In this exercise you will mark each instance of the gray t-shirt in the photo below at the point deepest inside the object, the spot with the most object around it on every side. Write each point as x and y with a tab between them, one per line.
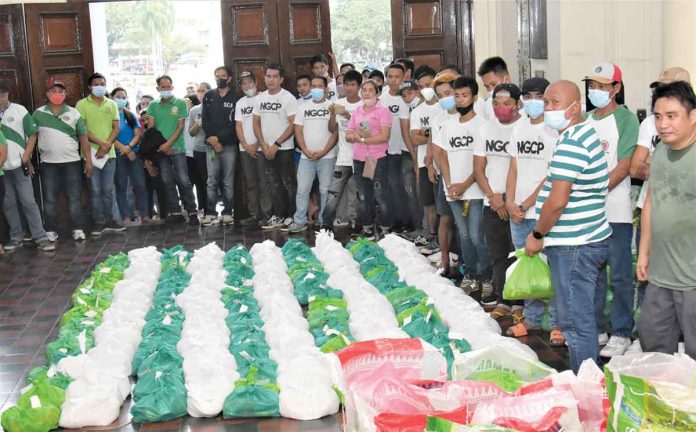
198	140
672	222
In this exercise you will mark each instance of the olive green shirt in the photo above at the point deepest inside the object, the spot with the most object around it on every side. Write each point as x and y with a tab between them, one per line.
673	218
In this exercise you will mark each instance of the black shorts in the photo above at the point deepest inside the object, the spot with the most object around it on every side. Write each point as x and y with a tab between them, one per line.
426	190
442	207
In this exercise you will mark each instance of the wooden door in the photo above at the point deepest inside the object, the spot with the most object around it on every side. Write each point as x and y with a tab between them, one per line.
258	32
434	32
60	45
14	69
305	32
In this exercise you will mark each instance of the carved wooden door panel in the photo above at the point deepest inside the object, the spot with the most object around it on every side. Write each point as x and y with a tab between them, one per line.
14	69
60	45
434	32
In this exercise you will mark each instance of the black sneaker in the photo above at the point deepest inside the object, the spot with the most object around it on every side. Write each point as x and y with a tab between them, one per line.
27	237
193	219
46	246
97	230
12	245
114	227
432	247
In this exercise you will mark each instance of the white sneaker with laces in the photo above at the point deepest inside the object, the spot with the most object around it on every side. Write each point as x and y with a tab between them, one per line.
341	222
227	220
53	236
635	348
421	241
76	235
208	220
616	346
602	339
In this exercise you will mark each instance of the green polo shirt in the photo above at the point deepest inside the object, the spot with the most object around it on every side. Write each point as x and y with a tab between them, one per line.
167	116
98	118
3	143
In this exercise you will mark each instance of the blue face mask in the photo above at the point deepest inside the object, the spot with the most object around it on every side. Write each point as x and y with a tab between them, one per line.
599	98
447	103
165	94
534	107
98	91
556	119
317	94
121	103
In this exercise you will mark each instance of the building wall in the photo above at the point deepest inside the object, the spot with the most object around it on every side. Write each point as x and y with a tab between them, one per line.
584	32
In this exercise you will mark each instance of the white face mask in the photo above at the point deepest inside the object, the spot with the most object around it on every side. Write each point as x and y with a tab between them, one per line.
250	92
428	93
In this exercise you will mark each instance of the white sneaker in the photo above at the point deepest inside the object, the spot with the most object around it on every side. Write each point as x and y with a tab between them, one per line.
602	339
208	220
227	220
435	258
53	236
76	235
616	346
635	348
341	222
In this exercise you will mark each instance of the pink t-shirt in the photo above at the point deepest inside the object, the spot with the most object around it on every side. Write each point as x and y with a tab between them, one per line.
378	117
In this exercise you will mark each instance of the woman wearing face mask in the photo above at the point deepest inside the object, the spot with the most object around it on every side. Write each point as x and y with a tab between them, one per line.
128	165
368	129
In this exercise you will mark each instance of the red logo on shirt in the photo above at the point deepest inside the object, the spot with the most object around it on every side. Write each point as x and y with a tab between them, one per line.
605	146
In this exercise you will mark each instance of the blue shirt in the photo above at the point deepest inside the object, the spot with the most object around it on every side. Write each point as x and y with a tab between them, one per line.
127	133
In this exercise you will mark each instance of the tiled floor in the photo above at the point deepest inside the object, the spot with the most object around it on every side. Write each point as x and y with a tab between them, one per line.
35	289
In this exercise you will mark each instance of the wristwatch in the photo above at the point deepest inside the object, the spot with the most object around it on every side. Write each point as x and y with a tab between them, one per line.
537	235
362	141
276	143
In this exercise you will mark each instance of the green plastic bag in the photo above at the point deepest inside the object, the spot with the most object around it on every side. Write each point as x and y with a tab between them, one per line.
46	393
506	380
21	419
528	278
165	401
252	398
59	380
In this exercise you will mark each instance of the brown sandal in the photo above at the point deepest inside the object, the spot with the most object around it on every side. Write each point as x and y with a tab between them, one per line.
500	312
517	316
556	339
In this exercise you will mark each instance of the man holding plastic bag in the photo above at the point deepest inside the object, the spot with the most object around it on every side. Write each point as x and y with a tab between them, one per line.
572	224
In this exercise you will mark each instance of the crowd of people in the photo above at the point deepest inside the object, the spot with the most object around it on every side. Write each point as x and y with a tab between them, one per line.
408	150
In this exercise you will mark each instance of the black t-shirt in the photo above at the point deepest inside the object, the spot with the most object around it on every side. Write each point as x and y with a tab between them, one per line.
218	116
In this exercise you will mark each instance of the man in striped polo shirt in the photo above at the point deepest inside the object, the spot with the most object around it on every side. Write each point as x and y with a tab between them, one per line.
62	135
20	130
572	226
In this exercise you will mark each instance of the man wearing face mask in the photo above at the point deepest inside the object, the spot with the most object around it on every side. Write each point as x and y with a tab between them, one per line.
316	133
169	114
421	121
617	129
530	151
218	123
320	67
103	125
491	164
62	136
572	225
253	162
20	131
454	152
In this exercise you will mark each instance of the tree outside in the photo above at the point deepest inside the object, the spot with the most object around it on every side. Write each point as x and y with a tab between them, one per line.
361	32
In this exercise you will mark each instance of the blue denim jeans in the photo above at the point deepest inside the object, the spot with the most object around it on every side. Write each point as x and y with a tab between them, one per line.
220	168
57	178
101	192
475	259
575	273
371	190
533	309
621	269
307	171
135	171
174	173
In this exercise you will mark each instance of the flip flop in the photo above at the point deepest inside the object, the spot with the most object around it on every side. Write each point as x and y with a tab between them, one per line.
556	339
518	330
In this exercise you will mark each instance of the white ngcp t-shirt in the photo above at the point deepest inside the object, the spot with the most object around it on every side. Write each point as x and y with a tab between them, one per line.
459	140
314	119
422	117
274	111
345	149
244	113
532	145
494	146
648	138
399	110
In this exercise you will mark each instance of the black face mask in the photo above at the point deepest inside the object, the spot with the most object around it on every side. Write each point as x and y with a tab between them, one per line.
221	83
465	110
